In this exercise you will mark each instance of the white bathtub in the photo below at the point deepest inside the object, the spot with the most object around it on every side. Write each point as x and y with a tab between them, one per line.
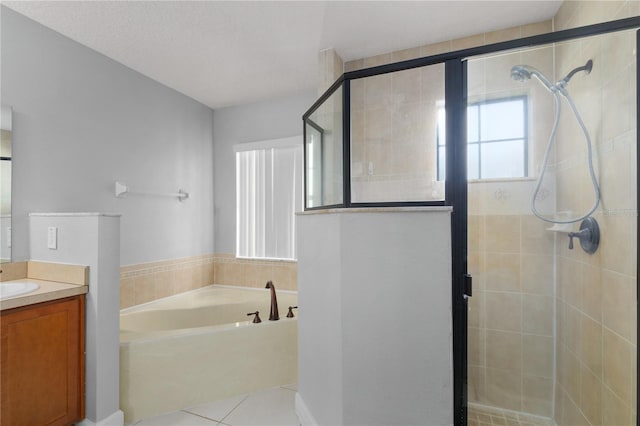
201	346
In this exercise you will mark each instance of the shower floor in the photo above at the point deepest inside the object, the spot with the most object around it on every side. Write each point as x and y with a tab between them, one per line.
480	415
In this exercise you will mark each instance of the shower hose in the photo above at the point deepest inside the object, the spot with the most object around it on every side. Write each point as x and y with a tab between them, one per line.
594	180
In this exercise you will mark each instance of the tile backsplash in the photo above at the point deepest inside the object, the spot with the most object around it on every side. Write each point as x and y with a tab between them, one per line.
13	271
58	272
146	282
230	270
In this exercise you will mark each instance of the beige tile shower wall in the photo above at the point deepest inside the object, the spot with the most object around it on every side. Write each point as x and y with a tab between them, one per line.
511	334
230	270
330	68
596	294
394	116
393	135
329	117
511	316
150	281
574	14
451	45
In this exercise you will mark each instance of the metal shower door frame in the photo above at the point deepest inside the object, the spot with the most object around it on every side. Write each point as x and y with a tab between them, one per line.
456	179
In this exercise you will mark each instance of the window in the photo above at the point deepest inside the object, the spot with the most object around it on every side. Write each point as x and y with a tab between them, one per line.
268	193
496	139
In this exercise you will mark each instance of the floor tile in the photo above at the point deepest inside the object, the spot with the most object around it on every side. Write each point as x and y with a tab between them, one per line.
494	416
265	408
177	418
217	410
293	387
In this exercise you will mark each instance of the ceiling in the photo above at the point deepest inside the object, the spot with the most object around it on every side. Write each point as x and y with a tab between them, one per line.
233	52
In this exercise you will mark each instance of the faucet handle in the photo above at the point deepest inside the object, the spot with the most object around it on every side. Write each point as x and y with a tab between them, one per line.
256	319
290	313
583	234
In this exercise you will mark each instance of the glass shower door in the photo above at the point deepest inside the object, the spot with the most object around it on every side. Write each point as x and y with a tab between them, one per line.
552	329
323	151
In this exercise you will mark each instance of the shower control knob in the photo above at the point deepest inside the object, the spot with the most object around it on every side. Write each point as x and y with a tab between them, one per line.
589	235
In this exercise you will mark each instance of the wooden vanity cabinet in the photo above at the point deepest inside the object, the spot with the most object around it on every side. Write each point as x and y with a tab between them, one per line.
42	363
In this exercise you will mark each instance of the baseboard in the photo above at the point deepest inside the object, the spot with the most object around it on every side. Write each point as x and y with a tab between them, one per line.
115	419
304	415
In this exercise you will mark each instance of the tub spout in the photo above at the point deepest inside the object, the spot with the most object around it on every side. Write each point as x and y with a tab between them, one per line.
273	314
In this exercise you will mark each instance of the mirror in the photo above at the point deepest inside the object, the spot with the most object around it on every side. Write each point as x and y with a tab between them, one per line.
5	183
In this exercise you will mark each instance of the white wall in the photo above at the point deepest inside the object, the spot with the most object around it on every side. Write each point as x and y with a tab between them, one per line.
82	121
319	333
274	119
375	323
93	240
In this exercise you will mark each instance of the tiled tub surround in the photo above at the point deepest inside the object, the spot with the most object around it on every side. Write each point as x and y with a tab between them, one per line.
201	346
230	270
147	282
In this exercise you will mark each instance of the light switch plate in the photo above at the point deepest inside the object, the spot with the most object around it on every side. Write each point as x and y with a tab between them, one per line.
52	238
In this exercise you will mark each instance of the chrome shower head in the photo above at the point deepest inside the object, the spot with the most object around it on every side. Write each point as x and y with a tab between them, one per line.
524	72
520	73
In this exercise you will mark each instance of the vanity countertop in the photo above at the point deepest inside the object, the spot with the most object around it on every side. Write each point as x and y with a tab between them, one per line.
48	290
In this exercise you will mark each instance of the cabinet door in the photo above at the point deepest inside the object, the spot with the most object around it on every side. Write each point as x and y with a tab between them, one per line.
42	363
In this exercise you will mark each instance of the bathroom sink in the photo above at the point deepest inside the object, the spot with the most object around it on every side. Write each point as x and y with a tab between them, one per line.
17	288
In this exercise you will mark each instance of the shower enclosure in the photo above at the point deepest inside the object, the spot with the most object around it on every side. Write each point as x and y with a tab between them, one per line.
547	124
552	329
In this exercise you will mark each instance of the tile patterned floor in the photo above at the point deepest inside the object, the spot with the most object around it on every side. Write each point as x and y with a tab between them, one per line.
489	416
275	406
267	407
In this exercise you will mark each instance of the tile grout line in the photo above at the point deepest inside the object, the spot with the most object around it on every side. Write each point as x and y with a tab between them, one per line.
186	410
198	415
235	407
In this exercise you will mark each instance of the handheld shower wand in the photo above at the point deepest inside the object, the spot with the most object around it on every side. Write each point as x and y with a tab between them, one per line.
524	72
